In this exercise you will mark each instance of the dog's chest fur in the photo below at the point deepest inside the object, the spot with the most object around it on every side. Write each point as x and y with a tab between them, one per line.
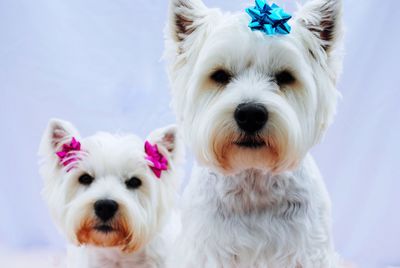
255	219
150	256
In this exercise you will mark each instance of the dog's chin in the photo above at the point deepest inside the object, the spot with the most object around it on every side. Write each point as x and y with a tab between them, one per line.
116	234
246	152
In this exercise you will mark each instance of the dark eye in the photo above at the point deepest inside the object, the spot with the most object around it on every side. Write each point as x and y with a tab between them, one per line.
133	183
86	179
284	78
221	77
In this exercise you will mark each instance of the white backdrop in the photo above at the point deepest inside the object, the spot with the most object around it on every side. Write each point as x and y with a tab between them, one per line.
97	64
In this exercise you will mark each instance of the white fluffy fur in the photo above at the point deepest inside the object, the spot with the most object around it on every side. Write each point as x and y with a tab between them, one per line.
246	207
111	160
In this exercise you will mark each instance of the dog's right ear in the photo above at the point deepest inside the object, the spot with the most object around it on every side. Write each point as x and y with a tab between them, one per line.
56	134
185	16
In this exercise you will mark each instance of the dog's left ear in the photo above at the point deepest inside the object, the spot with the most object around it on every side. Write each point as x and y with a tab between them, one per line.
185	16
323	18
57	132
168	142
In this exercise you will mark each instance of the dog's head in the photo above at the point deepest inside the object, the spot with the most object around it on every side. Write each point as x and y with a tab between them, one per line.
102	190
246	99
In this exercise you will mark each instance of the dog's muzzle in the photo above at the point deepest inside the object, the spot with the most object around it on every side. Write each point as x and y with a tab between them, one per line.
105	209
251	117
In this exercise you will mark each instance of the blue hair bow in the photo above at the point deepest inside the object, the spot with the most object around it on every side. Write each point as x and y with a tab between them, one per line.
271	20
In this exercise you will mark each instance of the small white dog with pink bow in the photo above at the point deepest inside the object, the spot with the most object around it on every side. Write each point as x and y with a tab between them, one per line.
112	195
253	94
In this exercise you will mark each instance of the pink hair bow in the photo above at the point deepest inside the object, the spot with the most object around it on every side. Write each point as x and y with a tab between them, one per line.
68	154
158	161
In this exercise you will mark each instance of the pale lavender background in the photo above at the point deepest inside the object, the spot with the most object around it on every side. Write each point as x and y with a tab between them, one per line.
97	63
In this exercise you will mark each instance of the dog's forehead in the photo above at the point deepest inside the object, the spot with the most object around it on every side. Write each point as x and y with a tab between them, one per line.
114	152
232	40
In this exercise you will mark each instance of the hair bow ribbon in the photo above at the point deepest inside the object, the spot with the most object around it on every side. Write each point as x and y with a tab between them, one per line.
158	162
271	20
67	155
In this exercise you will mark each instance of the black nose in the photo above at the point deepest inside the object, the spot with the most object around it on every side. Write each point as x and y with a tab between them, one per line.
251	117
105	209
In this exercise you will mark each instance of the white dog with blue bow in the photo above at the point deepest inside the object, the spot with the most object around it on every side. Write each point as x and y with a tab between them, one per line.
252	99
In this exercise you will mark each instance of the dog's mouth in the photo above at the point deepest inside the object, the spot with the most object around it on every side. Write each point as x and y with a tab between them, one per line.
104	228
250	141
113	233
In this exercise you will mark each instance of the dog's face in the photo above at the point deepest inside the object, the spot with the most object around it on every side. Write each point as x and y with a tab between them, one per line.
248	100
105	194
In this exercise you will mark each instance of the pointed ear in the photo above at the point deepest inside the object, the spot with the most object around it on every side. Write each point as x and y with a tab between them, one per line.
184	17
56	134
323	18
168	142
